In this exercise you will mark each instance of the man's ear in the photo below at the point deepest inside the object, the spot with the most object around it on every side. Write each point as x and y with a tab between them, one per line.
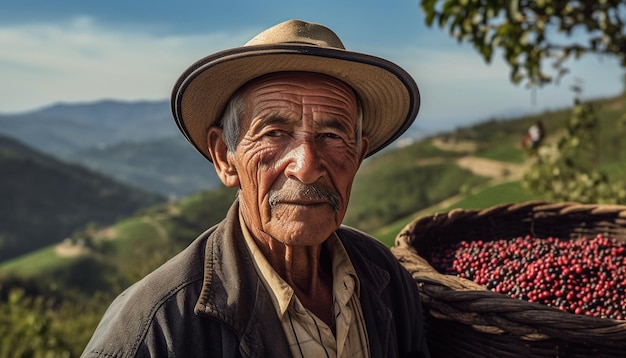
222	159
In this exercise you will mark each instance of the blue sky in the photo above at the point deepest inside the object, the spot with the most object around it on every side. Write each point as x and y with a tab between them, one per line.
83	51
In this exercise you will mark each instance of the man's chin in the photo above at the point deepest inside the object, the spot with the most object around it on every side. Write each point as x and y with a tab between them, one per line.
307	231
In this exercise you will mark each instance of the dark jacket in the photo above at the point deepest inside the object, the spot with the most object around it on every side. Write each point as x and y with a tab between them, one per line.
208	301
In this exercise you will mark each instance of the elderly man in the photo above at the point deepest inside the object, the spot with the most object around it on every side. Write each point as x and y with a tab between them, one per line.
287	119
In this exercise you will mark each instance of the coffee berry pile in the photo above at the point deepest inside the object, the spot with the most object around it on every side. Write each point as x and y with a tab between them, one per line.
581	276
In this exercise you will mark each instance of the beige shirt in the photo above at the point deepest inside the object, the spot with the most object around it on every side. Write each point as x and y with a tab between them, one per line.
307	335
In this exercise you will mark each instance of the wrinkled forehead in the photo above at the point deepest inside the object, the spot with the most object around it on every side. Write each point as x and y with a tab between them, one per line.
301	82
321	92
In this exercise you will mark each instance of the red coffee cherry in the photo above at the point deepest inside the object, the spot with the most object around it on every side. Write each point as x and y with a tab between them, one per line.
582	276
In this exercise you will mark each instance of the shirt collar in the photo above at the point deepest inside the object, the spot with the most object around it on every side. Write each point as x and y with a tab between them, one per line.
344	275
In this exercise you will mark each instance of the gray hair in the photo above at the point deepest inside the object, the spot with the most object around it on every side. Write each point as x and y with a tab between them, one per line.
235	109
230	121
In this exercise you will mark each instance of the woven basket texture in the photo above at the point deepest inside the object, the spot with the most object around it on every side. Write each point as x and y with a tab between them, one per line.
464	319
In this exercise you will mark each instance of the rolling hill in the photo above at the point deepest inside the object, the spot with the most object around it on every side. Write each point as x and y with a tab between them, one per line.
397	184
136	143
168	166
45	199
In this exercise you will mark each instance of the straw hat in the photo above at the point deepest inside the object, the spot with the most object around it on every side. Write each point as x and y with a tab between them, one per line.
388	95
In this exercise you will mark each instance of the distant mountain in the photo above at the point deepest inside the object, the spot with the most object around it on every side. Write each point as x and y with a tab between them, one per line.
64	128
168	166
134	142
44	199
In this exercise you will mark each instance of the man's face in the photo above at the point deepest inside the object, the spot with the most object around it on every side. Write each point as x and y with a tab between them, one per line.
297	156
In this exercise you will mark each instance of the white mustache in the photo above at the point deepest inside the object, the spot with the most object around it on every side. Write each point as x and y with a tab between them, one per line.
298	191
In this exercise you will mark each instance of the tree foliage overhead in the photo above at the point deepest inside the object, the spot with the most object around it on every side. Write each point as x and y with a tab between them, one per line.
532	33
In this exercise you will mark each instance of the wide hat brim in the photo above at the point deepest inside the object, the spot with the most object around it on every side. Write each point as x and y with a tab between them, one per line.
388	95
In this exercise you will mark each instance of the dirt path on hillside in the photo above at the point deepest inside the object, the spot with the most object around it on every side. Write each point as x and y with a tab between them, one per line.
492	168
69	249
498	170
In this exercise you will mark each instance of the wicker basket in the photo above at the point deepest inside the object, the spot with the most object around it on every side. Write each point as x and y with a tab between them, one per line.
465	319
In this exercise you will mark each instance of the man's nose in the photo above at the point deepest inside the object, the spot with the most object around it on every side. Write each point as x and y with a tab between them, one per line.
304	162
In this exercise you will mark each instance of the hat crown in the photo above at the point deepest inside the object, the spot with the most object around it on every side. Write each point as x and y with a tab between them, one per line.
297	31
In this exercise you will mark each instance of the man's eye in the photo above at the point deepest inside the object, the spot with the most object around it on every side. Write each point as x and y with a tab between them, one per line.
274	133
331	135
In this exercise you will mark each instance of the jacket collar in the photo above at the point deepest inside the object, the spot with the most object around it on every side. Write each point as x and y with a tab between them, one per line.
233	293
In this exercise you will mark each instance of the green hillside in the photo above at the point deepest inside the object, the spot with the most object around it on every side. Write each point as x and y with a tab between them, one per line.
136	143
437	173
473	167
44	199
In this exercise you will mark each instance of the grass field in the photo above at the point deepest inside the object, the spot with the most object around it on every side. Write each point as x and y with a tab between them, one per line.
507	153
47	259
35	262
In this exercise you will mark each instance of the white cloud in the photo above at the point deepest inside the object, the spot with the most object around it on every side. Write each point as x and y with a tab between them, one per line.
77	61
81	61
